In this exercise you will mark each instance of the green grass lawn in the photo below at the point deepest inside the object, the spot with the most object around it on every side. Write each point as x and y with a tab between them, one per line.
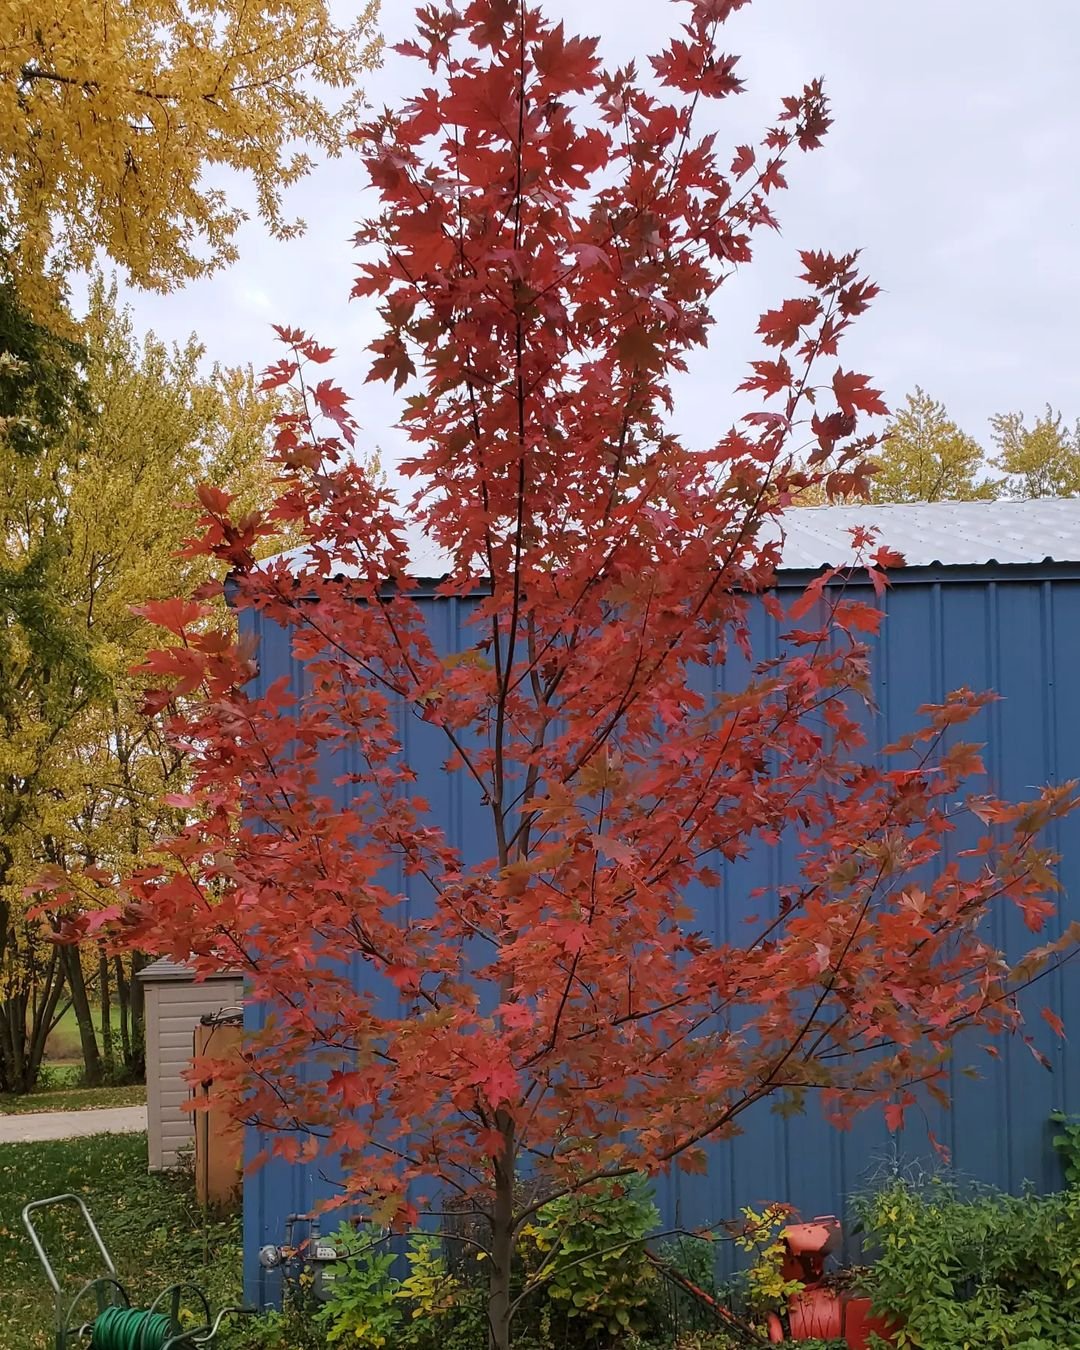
72	1099
150	1223
64	1044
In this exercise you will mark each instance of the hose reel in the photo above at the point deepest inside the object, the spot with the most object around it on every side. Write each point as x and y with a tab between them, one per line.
114	1323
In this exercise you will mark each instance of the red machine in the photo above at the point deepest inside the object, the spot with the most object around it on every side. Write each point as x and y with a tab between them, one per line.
822	1310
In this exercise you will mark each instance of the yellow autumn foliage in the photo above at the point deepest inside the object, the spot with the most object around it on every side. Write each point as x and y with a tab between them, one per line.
90	526
124	124
117	490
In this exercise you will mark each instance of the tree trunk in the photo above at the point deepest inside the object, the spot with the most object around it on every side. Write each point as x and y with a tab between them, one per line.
14	1041
6	1084
5	1054
44	1014
123	998
14	1005
105	994
17	1038
30	994
138	1017
5	1039
502	1240
84	1016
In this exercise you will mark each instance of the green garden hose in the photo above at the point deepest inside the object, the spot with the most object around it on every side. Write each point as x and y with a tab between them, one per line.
130	1329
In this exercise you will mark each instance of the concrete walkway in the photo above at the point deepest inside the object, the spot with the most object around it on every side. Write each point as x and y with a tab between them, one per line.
37	1126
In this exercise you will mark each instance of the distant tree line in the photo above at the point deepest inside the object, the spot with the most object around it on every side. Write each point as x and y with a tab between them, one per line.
927	457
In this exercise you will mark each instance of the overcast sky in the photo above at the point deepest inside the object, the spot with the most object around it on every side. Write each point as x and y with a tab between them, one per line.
954	163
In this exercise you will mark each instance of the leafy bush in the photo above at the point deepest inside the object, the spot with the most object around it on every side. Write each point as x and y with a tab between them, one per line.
370	1308
766	1287
363	1303
444	1313
722	1340
291	1329
705	1340
694	1258
587	1254
584	1280
1067	1144
985	1269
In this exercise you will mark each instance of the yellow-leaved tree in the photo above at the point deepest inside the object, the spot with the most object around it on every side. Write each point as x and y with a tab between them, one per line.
926	457
92	521
1040	460
116	116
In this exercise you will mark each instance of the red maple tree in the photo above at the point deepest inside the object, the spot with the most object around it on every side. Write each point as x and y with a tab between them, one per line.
552	241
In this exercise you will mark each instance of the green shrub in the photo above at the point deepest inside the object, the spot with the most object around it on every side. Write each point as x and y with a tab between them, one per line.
363	1305
703	1340
588	1251
981	1270
694	1258
1067	1143
442	1312
291	1329
370	1308
766	1287
582	1279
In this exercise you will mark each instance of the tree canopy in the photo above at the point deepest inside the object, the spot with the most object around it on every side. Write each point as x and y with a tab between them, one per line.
1040	460
539	997
93	520
137	133
41	385
124	126
925	457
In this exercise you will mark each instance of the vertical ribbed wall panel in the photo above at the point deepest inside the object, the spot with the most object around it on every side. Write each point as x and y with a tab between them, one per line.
1014	630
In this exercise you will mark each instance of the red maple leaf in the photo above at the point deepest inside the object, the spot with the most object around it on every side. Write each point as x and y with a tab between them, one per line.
174	615
771	377
497	1081
566	65
853	394
1053	1021
678	66
887	557
743	161
824	272
782	327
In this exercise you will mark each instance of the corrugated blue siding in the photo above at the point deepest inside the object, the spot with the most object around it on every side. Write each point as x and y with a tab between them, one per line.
1015	630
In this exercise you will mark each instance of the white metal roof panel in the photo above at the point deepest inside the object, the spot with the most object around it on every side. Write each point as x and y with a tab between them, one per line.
427	560
947	534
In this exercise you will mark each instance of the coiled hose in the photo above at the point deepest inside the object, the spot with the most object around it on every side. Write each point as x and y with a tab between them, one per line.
130	1329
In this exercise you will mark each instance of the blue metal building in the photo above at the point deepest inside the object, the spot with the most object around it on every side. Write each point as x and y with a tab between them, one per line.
990	599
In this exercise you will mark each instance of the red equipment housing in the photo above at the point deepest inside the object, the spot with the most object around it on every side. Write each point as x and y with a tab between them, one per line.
820	1310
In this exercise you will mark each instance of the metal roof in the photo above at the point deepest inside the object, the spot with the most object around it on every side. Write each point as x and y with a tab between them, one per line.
945	534
167	970
427	561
